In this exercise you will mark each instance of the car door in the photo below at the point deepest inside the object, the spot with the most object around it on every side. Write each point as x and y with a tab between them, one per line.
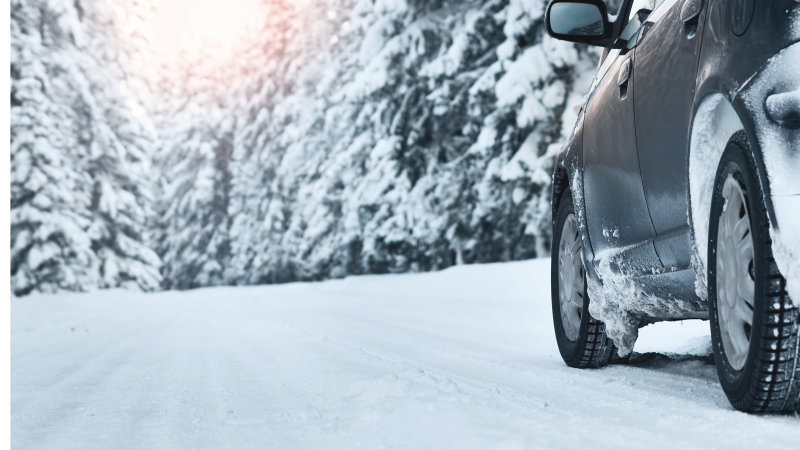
616	209
667	51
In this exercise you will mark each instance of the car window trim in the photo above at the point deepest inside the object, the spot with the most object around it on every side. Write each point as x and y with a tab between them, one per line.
660	10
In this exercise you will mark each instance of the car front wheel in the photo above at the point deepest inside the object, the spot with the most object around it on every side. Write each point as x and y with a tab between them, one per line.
754	325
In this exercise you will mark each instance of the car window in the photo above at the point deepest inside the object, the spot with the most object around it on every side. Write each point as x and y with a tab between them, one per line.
636	17
662	6
612	55
639	5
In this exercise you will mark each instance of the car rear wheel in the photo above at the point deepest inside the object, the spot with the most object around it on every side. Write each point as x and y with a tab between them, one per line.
754	326
582	339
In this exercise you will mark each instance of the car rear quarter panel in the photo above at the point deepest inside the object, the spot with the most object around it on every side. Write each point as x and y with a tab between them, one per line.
744	70
728	62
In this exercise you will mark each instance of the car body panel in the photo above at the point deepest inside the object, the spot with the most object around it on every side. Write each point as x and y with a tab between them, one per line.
569	175
733	48
728	61
616	209
666	63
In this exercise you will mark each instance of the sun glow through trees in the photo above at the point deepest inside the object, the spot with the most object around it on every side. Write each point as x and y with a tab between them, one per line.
192	24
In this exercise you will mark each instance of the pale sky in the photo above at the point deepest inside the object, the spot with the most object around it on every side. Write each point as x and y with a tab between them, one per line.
178	23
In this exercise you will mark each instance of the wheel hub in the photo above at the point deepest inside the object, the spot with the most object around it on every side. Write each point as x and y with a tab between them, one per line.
735	283
570	276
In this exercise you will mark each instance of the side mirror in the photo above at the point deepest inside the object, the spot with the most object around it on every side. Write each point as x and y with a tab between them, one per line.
584	21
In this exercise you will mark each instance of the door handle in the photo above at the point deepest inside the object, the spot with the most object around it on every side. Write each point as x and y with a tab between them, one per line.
624	77
690	16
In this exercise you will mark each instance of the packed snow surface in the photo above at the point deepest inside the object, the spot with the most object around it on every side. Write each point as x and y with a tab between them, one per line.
463	358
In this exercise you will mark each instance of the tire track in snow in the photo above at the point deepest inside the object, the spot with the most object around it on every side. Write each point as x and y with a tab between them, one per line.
396	365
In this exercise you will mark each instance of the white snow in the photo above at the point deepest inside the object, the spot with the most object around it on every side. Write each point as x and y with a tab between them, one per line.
715	122
781	144
80	145
621	302
375	37
463	358
782	106
688	337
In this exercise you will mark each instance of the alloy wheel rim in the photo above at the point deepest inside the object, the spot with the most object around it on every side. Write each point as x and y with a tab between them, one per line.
735	275
570	278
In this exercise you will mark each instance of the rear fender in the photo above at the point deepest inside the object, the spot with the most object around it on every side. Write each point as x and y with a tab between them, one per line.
726	106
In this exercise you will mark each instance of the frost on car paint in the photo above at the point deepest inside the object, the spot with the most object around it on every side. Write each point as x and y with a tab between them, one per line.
775	91
618	298
714	124
622	302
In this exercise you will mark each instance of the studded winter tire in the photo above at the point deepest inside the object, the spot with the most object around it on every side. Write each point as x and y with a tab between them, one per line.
582	339
754	325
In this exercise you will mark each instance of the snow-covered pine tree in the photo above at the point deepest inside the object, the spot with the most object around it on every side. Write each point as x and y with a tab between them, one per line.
197	117
368	138
192	224
424	136
80	148
342	138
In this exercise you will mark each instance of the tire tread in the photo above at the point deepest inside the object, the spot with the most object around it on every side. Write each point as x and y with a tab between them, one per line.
775	386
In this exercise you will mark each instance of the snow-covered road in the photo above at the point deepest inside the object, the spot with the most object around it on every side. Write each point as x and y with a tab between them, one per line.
464	358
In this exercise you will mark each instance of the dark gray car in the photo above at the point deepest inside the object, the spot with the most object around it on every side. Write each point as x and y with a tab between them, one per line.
677	195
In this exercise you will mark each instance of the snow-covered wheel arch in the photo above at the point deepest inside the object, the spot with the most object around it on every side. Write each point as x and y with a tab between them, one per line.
714	124
771	93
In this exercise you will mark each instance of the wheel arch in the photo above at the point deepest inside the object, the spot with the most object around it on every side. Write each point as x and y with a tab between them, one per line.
560	186
568	162
568	175
717	118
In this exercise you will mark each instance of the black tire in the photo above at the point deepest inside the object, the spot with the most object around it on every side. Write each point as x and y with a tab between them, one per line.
592	348
769	380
